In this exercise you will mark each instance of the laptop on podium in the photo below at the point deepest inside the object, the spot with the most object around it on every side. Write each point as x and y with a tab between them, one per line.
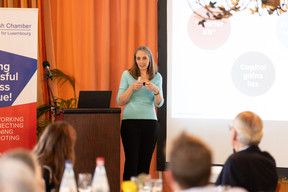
94	99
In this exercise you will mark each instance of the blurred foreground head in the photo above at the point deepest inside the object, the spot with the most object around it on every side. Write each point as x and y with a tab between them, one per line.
190	161
16	176
30	159
55	146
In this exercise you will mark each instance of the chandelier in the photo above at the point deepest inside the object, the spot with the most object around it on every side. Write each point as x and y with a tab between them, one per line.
223	9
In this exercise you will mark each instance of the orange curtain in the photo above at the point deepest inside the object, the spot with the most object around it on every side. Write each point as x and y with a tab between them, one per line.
94	41
19	3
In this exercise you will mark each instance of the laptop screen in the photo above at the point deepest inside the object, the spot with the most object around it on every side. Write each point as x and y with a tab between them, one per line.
94	99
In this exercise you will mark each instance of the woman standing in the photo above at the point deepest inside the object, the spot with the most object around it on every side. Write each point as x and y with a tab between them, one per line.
140	89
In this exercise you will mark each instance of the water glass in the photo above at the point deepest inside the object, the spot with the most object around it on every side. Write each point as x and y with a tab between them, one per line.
84	182
156	185
143	182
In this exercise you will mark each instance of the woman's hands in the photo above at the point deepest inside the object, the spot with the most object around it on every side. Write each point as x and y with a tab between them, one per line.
151	87
148	85
124	98
137	85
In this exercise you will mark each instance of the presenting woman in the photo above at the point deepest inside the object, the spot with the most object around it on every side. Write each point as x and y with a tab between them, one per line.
140	89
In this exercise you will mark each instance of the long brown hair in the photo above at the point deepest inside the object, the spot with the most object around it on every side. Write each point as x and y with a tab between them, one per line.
56	145
152	68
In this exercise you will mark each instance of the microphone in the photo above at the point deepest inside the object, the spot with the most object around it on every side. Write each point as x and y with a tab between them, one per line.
46	66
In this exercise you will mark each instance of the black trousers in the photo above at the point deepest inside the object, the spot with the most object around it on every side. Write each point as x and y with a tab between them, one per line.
139	139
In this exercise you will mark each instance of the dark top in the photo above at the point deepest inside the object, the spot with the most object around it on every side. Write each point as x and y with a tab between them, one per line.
251	169
47	176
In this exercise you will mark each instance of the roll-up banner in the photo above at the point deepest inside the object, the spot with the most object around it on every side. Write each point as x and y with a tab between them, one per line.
18	77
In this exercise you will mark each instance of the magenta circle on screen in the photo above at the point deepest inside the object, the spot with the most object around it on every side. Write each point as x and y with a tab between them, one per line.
214	35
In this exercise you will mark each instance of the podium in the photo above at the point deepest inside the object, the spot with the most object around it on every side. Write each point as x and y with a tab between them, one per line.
98	134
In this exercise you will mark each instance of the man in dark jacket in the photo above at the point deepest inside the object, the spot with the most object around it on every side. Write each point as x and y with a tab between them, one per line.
248	167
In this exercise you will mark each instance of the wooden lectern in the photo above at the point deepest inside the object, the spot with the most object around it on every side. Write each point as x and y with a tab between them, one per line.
98	134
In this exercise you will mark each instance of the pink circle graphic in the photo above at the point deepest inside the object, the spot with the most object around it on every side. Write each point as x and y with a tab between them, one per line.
212	36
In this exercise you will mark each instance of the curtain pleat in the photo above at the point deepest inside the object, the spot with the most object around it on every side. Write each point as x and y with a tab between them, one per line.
115	54
24	4
15	3
19	3
10	3
43	96
5	3
34	4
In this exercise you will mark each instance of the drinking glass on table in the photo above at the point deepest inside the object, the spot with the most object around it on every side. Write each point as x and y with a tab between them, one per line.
84	182
156	185
146	184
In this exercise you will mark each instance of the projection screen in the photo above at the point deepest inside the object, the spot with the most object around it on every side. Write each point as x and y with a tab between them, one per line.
214	72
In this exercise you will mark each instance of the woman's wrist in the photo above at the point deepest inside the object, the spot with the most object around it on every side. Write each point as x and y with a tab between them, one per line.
156	92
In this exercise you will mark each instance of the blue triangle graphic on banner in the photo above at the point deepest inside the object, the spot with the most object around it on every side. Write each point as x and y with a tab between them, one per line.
15	73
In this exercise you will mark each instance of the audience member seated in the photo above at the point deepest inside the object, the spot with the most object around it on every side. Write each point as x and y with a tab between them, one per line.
190	166
248	167
29	159
55	145
16	176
